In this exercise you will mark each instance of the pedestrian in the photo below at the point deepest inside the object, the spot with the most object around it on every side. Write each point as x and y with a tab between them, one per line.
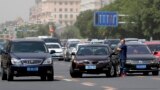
122	48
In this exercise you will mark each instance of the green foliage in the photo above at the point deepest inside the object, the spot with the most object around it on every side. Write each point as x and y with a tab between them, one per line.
71	32
41	29
142	20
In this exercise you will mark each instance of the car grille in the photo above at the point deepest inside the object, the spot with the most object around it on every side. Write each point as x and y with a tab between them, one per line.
141	62
90	62
32	61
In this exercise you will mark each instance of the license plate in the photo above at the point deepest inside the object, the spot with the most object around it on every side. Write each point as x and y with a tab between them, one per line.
32	69
140	66
90	67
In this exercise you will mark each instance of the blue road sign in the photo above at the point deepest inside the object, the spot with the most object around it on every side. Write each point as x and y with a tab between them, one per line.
103	18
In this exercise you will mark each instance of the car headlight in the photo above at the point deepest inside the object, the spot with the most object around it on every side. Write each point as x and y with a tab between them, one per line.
48	61
15	61
129	61
155	61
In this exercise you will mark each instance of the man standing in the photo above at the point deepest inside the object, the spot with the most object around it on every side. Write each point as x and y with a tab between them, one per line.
122	48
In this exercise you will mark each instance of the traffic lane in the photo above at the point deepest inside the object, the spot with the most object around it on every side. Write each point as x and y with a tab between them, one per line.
94	82
130	82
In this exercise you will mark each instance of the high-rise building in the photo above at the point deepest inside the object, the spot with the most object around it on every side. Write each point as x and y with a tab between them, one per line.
63	12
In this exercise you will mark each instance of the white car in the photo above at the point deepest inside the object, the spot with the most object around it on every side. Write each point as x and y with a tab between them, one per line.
58	50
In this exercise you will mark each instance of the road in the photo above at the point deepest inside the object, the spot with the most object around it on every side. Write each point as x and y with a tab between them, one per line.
63	81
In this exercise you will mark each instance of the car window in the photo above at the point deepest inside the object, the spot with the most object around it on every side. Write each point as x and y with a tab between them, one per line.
28	47
154	47
92	50
137	49
53	46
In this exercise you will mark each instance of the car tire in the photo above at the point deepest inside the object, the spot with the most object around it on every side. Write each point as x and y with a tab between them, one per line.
50	77
43	78
111	72
9	75
145	73
74	74
4	75
155	73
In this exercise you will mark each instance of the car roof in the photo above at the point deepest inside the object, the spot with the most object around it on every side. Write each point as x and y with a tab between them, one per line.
52	43
23	39
95	45
152	42
134	43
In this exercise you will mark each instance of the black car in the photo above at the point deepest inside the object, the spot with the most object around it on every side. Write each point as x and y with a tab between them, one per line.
140	59
23	57
94	59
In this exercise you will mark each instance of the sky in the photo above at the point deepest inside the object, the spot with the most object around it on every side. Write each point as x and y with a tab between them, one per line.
11	9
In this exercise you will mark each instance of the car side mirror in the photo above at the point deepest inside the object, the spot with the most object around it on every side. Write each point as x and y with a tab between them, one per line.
52	52
155	53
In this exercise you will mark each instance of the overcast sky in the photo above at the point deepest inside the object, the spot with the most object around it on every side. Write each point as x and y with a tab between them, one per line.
11	9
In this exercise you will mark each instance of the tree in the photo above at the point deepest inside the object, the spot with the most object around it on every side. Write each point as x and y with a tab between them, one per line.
82	22
71	32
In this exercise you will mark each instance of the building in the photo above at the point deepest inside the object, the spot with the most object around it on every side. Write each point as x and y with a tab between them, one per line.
93	4
63	12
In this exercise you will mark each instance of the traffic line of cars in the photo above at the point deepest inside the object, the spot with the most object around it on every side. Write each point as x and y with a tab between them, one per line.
34	57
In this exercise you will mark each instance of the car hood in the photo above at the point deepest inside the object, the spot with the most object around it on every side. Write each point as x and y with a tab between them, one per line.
94	58
30	55
141	57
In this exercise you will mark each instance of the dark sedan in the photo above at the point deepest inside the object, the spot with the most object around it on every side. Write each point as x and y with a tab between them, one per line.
94	59
26	58
140	59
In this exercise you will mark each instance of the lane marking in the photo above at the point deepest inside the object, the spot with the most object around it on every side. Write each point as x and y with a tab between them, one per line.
88	84
108	88
68	80
59	77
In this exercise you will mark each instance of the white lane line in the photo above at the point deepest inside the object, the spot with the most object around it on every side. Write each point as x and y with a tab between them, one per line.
108	88
59	77
68	80
88	84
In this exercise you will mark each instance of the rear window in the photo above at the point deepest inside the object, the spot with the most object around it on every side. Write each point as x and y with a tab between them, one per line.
53	46
154	47
138	49
28	47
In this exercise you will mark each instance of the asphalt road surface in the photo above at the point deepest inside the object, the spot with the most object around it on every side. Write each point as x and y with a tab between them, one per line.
63	81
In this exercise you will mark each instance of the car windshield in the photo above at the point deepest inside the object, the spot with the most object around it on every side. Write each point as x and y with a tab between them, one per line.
53	46
73	45
137	49
92	50
18	47
155	47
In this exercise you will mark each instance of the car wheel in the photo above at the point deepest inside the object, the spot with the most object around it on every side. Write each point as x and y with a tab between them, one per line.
50	77
9	75
155	73
74	74
4	75
111	72
43	78
145	73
